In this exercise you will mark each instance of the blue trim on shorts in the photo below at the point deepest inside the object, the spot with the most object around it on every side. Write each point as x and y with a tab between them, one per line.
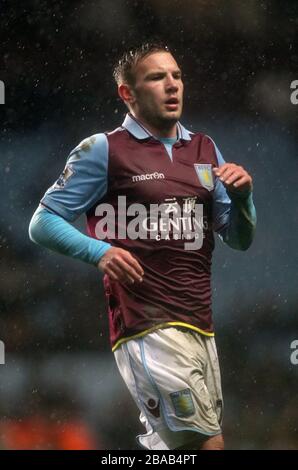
163	407
143	409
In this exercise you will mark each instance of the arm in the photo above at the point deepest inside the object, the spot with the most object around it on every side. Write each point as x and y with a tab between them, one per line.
234	212
82	183
53	232
241	225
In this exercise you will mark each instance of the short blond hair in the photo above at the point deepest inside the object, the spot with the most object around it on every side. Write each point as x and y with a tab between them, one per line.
124	69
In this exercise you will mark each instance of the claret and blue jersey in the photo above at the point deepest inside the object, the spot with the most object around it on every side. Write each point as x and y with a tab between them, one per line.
131	162
88	165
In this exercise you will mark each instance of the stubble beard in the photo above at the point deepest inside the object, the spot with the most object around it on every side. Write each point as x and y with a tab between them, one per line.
160	120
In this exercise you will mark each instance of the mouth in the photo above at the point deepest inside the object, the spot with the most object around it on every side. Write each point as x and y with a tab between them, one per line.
172	103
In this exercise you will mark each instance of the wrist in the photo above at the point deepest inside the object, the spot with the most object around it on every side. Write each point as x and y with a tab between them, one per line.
97	250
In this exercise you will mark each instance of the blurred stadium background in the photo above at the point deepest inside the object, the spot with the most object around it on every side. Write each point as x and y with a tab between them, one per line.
59	388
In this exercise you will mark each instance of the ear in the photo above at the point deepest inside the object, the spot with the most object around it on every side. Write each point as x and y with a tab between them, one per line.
126	94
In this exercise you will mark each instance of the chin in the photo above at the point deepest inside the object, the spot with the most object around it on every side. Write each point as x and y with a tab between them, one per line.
171	117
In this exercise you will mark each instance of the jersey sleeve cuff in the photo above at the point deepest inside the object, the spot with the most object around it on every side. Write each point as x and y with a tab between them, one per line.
49	204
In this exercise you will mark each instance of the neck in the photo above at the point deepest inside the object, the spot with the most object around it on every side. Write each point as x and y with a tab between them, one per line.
169	130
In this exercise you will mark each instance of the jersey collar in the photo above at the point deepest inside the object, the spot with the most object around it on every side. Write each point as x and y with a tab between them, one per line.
134	127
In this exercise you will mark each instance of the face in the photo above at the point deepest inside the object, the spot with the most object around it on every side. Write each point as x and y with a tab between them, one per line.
157	95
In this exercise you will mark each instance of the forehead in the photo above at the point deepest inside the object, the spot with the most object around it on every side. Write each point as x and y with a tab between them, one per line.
162	61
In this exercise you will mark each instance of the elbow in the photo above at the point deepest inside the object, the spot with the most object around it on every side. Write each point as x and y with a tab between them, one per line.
35	226
239	245
243	246
245	241
32	230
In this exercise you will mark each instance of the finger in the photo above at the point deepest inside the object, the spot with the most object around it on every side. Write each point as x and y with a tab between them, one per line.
118	274
109	272
244	181
102	264
234	177
220	170
127	269
227	174
131	261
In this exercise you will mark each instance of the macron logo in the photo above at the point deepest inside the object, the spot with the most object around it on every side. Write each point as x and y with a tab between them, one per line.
148	176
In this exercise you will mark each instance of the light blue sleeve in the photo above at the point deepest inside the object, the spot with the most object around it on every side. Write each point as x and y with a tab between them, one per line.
221	200
53	232
234	214
83	181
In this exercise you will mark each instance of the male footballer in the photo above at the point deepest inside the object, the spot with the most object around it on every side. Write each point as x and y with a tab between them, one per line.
154	193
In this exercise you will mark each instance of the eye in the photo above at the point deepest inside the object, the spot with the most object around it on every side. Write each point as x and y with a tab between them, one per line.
177	76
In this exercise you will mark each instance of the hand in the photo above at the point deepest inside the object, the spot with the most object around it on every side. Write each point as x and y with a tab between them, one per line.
121	266
234	178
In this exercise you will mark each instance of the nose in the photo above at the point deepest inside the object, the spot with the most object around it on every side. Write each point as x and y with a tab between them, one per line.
171	83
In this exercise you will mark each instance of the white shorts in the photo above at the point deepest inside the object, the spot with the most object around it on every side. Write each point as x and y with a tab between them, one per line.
173	375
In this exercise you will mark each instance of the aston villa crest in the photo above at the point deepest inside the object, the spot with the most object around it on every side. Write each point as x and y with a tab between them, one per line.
204	173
